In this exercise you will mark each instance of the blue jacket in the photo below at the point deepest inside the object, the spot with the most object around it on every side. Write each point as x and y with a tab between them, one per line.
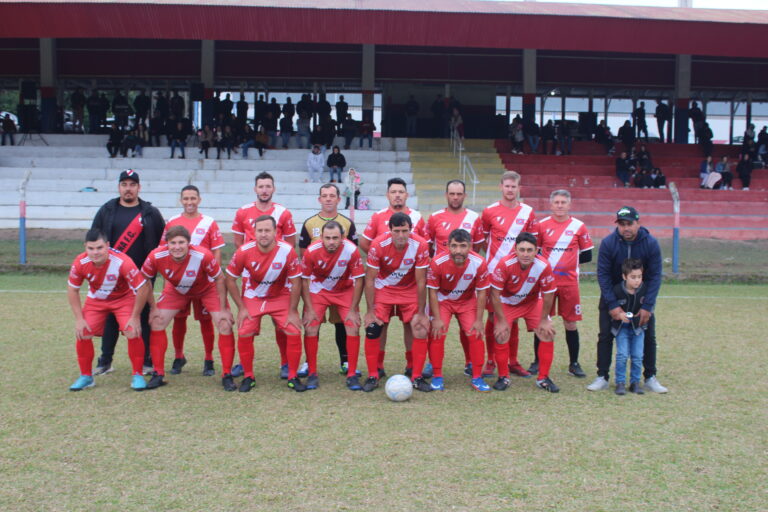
613	251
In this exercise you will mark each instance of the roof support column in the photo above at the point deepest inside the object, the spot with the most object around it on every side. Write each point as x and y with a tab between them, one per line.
682	96
207	77
368	82
529	84
48	85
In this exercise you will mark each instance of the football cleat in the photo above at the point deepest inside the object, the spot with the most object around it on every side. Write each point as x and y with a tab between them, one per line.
534	368
247	384
489	368
547	385
296	385
370	384
208	370
303	370
382	373
575	370
156	381
353	383
284	371
228	382
479	384
313	382
422	385
468	370
82	382
178	364
428	371
502	384
437	384
138	383
516	369
237	370
103	369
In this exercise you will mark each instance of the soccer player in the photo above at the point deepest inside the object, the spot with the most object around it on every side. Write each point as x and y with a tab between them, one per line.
113	280
271	286
516	286
332	274
441	224
396	276
502	221
243	229
457	282
329	199
190	273
204	233
564	241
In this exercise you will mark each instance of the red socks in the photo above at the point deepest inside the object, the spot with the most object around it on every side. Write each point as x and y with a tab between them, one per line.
437	354
477	351
310	347
514	342
84	350
546	355
177	334
408	359
464	345
246	351
136	354
353	351
490	339
158	345
293	352
227	351
418	355
281	340
380	357
502	359
206	330
373	356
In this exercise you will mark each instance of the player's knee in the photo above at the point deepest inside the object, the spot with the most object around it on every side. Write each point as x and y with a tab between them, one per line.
373	331
569	326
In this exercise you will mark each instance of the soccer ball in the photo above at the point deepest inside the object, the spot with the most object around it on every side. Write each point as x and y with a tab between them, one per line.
398	388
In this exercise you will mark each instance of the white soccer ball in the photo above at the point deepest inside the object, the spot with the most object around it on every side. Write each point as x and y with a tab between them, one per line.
398	388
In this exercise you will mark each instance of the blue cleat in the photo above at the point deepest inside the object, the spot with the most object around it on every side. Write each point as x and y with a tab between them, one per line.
468	370
82	382
428	371
303	370
237	370
437	384
284	371
479	384
138	383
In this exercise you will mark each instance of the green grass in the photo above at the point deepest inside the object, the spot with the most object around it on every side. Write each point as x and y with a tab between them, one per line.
191	446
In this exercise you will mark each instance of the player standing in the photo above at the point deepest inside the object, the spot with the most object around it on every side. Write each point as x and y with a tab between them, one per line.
516	286
204	233
565	242
396	276
458	283
271	286
332	274
113	280
502	221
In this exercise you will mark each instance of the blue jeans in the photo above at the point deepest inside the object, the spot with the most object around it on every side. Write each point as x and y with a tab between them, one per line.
533	141
247	144
629	344
286	136
368	137
177	144
337	172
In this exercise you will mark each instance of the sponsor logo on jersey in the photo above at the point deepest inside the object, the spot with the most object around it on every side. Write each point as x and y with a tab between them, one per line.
191	273
111	277
568	232
200	231
520	221
531	279
468	276
407	261
342	263
466	225
277	265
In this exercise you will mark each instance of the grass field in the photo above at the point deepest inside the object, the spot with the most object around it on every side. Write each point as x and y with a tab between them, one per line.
191	446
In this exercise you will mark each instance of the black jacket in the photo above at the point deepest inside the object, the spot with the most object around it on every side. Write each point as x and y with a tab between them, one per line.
150	216
630	303
336	160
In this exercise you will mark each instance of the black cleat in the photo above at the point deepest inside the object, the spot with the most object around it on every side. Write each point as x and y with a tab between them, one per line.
382	373
422	385
534	368
502	384
178	364
408	372
575	370
370	384
353	383
636	388
547	385
228	382
313	382
208	370
156	381
247	384
296	384
468	370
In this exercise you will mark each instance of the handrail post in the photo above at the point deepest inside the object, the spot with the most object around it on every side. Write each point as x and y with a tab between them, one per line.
676	229
23	218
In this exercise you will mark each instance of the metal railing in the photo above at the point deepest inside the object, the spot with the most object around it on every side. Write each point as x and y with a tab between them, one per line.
466	169
676	229
23	218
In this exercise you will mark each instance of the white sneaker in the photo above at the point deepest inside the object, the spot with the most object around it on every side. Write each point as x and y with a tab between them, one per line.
745	188
599	384
653	384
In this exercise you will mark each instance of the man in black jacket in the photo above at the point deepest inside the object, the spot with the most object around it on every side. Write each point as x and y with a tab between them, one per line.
629	240
134	227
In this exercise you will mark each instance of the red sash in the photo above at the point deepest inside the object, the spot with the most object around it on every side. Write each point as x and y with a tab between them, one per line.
130	234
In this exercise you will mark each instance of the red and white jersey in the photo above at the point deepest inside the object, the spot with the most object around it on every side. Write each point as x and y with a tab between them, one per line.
379	223
117	277
193	275
265	275
247	215
203	230
397	268
458	283
520	286
561	243
501	225
334	271
442	222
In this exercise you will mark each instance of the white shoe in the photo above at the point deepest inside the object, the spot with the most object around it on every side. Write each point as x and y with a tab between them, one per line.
599	384
303	370
653	384
745	188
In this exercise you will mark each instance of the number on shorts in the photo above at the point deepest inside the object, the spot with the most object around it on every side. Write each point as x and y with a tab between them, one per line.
577	309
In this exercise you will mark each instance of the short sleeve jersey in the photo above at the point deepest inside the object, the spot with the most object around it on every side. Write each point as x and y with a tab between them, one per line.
265	275
501	225
379	223
520	286
396	269
113	280
561	243
191	276
442	222
247	215
332	272
457	283
313	227
203	230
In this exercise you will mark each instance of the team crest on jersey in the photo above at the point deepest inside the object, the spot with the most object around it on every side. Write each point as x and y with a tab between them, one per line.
468	276
446	225
568	233
448	277
550	232
342	263
500	220
200	231
520	221
407	261
277	265
111	277
466	225
514	279
531	279
191	273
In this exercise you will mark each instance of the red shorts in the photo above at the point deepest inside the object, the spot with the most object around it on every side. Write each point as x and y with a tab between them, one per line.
171	299
325	299
95	312
200	311
276	307
465	312
403	303
568	303
531	312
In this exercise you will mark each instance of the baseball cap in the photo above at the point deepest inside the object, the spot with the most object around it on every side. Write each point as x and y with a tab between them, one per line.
627	213
129	174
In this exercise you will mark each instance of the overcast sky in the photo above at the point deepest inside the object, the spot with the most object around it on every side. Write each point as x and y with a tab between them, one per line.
707	4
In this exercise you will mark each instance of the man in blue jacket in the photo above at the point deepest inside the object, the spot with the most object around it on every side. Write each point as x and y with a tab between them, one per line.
629	240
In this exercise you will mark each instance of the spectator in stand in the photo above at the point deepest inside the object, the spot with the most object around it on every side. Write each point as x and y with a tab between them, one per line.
623	168
141	106
207	139
261	141
532	132
121	109
133	143
315	164
318	137
241	107
143	134
178	137
411	116
658	180
367	127
329	132
289	110
275	110
103	109
115	140
156	129
286	127
457	124
627	136
663	115
9	128
342	107
303	132
697	117
226	105
705	139
707	167
93	104
438	112
177	105
641	179
639	118
744	170
248	140
77	101
564	138
349	130
547	136
305	108
270	125
516	135
643	157
227	141
724	169
604	136
259	111
336	164
749	135
163	106
323	108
